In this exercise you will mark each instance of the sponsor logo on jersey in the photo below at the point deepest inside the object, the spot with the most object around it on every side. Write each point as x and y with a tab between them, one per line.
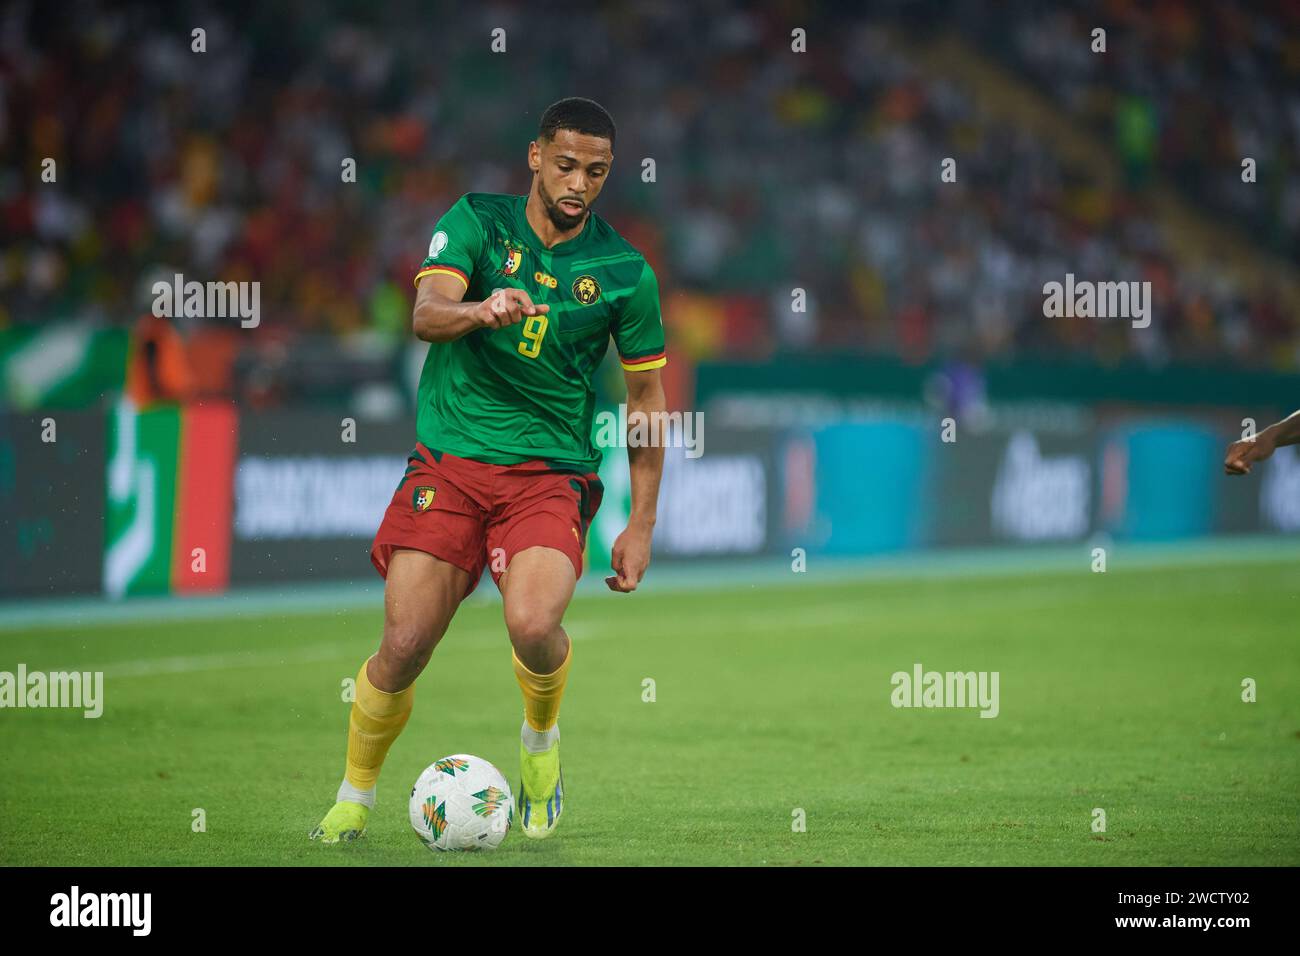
586	289
437	244
422	499
541	278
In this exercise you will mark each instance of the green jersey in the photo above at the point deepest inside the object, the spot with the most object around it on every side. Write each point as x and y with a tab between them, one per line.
525	392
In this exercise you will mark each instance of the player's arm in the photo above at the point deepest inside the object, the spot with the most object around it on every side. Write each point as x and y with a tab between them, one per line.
630	555
1243	454
455	253
639	336
440	314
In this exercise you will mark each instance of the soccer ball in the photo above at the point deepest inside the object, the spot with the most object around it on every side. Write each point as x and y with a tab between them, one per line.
461	802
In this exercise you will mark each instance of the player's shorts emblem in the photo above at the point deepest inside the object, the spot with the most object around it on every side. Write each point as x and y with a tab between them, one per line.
423	497
586	289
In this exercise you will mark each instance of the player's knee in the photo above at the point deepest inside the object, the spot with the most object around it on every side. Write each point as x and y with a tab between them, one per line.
530	625
406	646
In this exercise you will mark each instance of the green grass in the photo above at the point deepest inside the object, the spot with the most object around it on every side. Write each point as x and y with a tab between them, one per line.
1119	690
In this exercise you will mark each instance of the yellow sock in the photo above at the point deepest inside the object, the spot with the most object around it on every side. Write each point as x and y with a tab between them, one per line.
377	718
542	692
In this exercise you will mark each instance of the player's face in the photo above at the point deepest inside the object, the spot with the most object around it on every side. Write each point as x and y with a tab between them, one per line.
571	171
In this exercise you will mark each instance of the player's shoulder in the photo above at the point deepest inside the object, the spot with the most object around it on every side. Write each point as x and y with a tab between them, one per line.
486	205
617	252
607	235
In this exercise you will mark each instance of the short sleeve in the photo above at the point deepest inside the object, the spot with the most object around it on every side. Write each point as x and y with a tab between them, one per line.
639	334
456	244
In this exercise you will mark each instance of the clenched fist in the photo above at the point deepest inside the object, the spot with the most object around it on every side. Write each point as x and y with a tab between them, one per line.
1243	454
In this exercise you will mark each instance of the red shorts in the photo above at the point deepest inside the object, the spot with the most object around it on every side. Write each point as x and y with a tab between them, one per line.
472	514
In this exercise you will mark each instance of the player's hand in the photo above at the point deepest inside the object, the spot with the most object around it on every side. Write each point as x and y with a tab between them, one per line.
629	558
507	307
1243	454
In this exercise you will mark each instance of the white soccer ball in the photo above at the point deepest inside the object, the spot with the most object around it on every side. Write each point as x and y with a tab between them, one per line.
461	802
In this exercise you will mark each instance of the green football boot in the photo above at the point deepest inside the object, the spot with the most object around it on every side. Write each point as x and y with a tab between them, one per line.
345	821
541	791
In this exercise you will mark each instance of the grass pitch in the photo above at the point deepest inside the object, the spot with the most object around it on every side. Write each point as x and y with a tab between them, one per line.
1120	691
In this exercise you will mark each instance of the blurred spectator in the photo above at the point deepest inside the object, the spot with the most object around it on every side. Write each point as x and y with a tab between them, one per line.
157	368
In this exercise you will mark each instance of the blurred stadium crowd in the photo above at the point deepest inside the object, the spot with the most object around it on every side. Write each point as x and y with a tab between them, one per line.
772	170
1187	93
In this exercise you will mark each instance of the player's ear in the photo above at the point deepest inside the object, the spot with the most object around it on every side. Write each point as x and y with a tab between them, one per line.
534	156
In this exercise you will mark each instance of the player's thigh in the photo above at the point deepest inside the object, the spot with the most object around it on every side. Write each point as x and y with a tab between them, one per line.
421	594
536	589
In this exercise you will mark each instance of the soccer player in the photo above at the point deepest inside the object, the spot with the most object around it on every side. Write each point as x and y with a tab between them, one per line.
1243	454
518	296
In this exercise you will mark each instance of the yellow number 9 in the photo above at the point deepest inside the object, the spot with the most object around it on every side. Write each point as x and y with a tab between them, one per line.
534	329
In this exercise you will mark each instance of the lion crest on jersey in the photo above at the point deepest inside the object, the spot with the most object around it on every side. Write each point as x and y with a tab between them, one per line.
586	289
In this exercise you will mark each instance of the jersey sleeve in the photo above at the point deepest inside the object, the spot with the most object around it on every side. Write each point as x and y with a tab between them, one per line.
639	334
456	244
